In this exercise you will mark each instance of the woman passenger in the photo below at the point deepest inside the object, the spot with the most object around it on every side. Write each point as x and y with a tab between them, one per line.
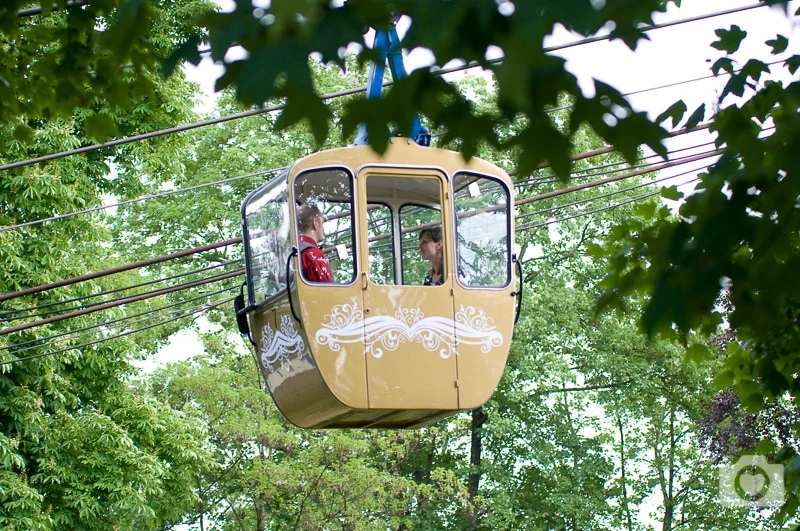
431	248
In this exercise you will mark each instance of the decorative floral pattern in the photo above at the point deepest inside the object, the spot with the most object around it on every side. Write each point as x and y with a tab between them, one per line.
278	345
346	324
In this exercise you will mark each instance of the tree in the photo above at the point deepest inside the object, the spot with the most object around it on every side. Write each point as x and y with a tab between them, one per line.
105	54
684	263
81	447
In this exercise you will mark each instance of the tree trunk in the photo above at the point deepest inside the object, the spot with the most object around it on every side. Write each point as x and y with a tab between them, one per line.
261	517
474	480
625	506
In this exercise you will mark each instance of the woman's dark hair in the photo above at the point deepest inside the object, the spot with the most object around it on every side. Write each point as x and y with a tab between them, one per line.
434	232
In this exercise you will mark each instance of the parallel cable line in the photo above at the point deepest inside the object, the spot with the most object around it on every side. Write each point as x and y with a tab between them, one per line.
18	348
610	149
138	199
122	301
119	269
608	194
607	168
601	209
628	175
91	343
30	343
11	314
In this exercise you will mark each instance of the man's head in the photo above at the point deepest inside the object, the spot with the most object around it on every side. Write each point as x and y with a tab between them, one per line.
311	222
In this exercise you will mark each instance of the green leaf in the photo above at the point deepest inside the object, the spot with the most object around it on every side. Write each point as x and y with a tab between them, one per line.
186	51
778	44
698	353
793	63
23	134
729	40
675	112
671	192
100	127
301	106
696	117
724	380
735	85
723	63
646	210
754	68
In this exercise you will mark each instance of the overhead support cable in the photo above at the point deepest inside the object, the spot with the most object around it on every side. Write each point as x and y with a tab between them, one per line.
15	349
140	199
642	171
605	37
123	334
554	208
122	301
113	270
16	314
597	210
610	149
606	169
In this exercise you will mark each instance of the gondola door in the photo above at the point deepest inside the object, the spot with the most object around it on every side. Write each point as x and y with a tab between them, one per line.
409	346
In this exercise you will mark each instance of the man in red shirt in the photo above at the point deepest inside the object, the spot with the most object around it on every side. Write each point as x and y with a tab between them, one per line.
311	226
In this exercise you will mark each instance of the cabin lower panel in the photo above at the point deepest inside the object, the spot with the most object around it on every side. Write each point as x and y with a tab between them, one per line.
387	419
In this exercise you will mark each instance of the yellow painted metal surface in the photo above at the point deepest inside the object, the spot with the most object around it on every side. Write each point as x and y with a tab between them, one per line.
410	360
332	322
378	355
481	361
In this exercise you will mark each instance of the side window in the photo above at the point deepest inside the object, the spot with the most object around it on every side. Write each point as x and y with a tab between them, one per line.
267	239
325	225
422	222
482	230
380	235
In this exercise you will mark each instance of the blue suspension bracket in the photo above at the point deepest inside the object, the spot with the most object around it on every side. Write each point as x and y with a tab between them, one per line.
387	45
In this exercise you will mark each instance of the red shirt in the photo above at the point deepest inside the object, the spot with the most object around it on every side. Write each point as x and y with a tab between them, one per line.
313	262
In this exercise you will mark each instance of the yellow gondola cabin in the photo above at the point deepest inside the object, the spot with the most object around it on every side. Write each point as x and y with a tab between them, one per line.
375	347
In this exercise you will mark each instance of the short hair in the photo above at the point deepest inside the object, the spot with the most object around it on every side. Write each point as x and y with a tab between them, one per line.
434	232
306	214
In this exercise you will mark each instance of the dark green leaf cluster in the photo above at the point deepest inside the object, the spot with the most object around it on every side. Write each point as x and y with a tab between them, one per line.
96	57
279	39
738	233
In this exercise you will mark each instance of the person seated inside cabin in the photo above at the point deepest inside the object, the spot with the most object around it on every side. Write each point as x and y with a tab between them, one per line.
431	248
311	226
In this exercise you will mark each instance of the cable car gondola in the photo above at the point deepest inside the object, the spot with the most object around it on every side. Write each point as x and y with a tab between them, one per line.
373	346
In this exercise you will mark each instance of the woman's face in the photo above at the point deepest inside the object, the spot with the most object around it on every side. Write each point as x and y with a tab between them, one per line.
429	249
